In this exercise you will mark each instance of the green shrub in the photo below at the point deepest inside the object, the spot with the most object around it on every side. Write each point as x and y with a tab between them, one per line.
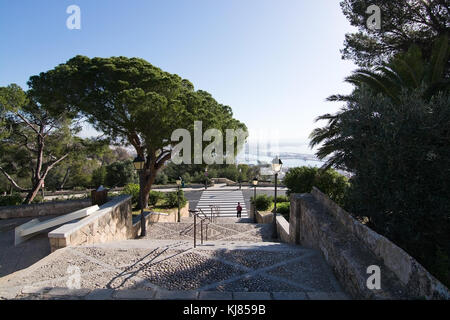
99	176
12	200
161	178
283	208
171	199
132	189
154	197
262	202
186	177
280	198
330	182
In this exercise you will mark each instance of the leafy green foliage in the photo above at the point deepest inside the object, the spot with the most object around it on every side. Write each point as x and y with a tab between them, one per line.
99	177
284	208
262	202
154	197
161	178
120	173
132	189
403	23
330	182
11	200
281	198
171	199
40	136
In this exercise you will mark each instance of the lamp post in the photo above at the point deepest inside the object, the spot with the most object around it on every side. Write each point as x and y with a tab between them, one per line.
255	183
178	196
139	163
240	180
206	178
276	167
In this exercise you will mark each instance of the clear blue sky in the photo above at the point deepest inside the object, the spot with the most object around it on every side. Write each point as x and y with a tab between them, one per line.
273	61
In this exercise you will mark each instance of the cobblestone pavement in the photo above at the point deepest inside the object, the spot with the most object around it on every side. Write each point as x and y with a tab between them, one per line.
225	231
14	258
168	269
236	261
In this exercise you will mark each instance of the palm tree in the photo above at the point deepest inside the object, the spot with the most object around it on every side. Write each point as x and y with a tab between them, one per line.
408	71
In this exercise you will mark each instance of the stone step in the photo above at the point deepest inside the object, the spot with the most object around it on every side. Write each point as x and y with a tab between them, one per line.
226	229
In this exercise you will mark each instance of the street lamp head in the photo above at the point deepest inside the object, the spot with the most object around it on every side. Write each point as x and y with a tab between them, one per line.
255	181
139	163
276	165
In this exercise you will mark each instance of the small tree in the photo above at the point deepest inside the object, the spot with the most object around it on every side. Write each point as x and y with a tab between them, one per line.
39	137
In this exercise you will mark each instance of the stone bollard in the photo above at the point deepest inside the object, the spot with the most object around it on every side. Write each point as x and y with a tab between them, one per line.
99	196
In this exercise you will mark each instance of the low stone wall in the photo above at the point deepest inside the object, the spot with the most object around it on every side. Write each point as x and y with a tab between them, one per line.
282	229
350	248
43	209
263	217
156	217
113	221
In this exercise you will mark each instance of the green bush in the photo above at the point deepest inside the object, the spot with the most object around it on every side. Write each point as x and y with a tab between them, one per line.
99	176
132	189
12	200
330	182
120	173
262	202
280	198
161	178
154	197
283	208
171	199
38	199
186	177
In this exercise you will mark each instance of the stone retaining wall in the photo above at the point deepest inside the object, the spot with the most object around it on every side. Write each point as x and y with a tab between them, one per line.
282	228
43	209
350	248
263	217
113	221
154	218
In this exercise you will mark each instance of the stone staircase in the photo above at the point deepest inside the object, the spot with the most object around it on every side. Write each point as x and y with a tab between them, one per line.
225	200
223	229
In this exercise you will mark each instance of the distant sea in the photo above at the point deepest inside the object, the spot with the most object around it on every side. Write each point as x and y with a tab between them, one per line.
292	154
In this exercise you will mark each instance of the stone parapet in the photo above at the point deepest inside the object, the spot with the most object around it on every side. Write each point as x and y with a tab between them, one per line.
36	210
113	221
350	248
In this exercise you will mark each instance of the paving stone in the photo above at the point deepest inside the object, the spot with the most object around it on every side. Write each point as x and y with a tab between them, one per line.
251	296
8	293
100	294
215	295
137	294
176	295
34	290
66	292
327	296
289	295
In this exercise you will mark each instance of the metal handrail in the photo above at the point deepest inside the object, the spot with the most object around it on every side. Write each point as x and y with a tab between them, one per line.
196	214
215	211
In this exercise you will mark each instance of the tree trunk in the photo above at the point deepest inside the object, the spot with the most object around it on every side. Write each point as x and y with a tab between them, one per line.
65	179
145	185
34	191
